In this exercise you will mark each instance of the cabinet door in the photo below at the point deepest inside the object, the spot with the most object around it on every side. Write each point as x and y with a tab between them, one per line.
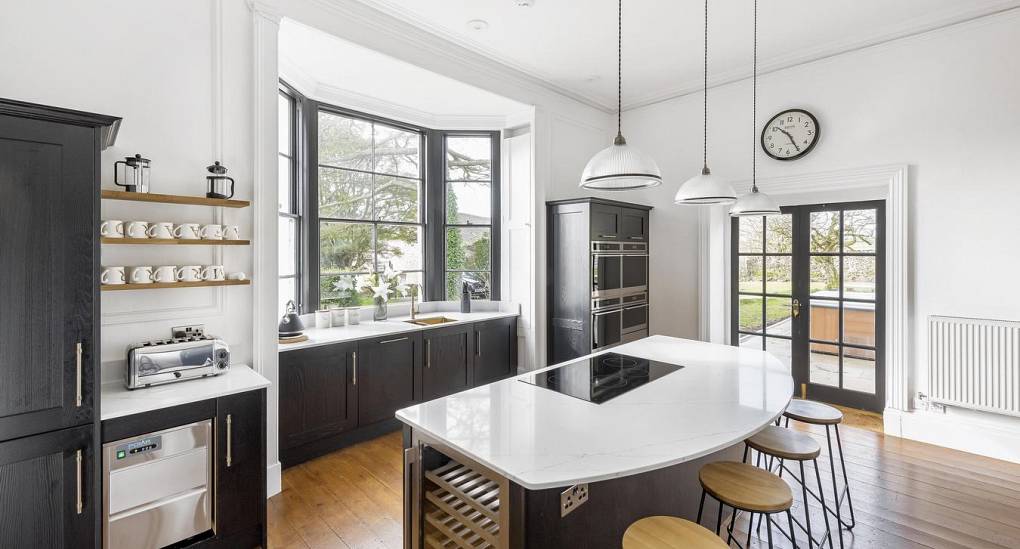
634	224
48	213
46	490
447	367
317	399
384	373
241	463
605	222
495	350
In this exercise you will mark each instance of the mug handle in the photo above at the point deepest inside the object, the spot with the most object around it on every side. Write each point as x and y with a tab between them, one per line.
178	274
149	231
102	277
102	227
202	272
177	231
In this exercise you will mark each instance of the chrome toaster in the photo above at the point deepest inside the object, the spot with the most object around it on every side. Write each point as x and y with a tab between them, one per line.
178	359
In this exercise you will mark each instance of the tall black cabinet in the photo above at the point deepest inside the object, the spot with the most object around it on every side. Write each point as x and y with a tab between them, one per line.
49	329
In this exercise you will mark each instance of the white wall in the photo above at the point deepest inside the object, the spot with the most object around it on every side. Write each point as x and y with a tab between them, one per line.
948	104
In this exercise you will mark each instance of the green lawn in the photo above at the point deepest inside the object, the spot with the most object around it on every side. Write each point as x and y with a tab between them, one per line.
776	308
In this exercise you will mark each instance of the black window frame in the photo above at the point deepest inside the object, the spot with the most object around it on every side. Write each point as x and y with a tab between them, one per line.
297	210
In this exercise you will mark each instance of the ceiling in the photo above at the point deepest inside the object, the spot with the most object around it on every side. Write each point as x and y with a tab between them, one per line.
571	44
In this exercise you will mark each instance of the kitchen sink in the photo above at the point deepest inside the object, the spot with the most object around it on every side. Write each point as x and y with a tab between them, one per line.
431	321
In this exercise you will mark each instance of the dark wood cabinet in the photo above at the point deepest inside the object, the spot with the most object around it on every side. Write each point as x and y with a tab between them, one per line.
634	224
384	374
448	361
606	221
241	466
495	350
317	398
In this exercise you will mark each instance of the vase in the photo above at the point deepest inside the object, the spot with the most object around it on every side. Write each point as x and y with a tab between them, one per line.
381	310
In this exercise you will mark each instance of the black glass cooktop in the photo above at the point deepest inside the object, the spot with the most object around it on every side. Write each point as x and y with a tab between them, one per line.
602	377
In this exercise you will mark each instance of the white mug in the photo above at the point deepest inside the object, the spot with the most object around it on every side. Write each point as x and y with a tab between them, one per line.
213	272
163	230
112	275
112	228
186	231
141	274
211	232
188	273
164	274
322	318
231	232
136	229
237	276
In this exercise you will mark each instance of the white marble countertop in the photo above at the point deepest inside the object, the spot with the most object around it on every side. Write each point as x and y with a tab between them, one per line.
118	401
543	439
394	325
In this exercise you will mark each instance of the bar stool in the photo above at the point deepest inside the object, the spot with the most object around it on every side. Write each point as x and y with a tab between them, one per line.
746	488
662	532
785	444
816	413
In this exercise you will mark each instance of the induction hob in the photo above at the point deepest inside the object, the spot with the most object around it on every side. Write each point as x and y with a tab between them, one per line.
601	377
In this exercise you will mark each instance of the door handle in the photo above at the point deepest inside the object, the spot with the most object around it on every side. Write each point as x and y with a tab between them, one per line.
795	308
428	353
77	374
354	368
78	503
230	453
392	340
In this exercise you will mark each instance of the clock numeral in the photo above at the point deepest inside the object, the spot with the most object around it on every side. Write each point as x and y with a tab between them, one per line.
807	124
811	132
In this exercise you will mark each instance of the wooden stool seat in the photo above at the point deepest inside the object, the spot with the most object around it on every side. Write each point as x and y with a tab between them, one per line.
815	413
669	533
785	443
746	487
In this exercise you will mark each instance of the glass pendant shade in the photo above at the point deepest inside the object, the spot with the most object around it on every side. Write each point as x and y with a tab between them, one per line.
755	203
705	189
620	167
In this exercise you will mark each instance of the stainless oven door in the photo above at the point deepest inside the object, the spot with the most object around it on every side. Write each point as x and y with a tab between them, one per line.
606	272
635	318
634	277
606	328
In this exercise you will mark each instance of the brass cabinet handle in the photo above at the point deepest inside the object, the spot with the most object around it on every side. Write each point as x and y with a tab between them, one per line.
230	453
79	505
354	368
428	353
77	374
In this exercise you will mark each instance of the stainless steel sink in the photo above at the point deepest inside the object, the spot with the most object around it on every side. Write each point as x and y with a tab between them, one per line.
431	320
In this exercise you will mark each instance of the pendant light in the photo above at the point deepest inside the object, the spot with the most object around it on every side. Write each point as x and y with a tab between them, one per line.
620	167
705	188
756	202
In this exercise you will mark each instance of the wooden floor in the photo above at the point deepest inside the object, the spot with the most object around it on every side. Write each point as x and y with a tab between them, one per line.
906	495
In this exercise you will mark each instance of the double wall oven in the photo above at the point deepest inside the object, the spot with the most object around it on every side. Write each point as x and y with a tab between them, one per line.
619	292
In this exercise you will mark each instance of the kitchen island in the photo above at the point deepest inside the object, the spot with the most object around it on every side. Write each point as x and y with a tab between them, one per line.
492	465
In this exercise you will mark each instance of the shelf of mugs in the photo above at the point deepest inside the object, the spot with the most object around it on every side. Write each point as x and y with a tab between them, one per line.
163	285
114	240
174	199
113	231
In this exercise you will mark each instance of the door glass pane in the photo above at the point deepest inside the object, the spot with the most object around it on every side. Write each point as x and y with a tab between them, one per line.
468	158
467	248
859	323
778	316
779	234
824	232
345	247
288	291
749	313
825	276
751	234
859	370
345	142
287	246
824	320
397	199
860	230
859	277
397	151
824	364
478	285
469	203
749	273
399	246
285	185
781	349
342	291
750	341
345	194
779	275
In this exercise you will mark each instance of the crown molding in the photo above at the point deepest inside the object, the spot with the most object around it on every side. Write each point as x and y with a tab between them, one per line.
372	105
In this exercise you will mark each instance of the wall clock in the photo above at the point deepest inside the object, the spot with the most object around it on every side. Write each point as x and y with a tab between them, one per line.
790	134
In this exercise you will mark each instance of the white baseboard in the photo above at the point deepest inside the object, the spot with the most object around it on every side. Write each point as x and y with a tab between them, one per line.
274	479
996	437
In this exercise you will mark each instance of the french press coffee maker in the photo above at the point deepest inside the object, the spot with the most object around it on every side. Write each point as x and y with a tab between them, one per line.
217	183
136	174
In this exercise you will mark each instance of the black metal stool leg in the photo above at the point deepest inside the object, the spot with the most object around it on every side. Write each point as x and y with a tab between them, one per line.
793	538
701	506
718	520
825	511
768	528
807	510
733	522
846	481
750	522
835	490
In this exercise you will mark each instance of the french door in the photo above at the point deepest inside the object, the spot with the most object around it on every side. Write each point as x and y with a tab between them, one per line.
808	287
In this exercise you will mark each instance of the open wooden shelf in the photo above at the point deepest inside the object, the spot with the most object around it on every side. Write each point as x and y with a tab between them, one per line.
173	199
172	241
162	285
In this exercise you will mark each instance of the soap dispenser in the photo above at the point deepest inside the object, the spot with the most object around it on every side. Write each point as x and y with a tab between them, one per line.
465	299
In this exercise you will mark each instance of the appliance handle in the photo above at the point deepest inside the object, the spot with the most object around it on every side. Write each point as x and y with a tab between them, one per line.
598	255
607	236
604	313
642	306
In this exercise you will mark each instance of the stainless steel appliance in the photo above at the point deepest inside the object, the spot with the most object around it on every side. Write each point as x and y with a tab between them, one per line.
618	268
177	359
158	488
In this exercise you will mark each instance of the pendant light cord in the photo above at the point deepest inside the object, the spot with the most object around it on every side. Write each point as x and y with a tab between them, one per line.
619	74
754	105
704	152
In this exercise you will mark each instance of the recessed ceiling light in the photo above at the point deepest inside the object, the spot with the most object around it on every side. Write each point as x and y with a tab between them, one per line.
478	24
524	3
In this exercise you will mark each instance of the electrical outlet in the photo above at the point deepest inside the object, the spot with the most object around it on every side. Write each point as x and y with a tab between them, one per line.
572	498
188	331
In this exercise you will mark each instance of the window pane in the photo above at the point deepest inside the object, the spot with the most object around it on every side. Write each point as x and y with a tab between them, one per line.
781	349
778	313
467	248
399	246
859	277
285	185
469	203
749	313
345	194
397	199
825	232
342	291
288	291
288	245
824	364
397	152
750	341
345	247
860	230
285	123
825	276
859	323
468	158
859	370
478	285
751	234
779	275
779	234
824	320
749	271
410	280
345	142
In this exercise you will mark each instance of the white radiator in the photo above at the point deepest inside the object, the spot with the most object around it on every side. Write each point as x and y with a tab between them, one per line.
974	363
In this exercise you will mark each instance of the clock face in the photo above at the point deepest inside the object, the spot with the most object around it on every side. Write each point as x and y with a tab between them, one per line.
790	134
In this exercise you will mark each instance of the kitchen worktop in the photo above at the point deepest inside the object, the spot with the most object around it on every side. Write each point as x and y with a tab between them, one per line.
118	401
540	438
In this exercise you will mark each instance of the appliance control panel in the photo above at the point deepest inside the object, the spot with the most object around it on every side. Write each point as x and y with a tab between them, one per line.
139	446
